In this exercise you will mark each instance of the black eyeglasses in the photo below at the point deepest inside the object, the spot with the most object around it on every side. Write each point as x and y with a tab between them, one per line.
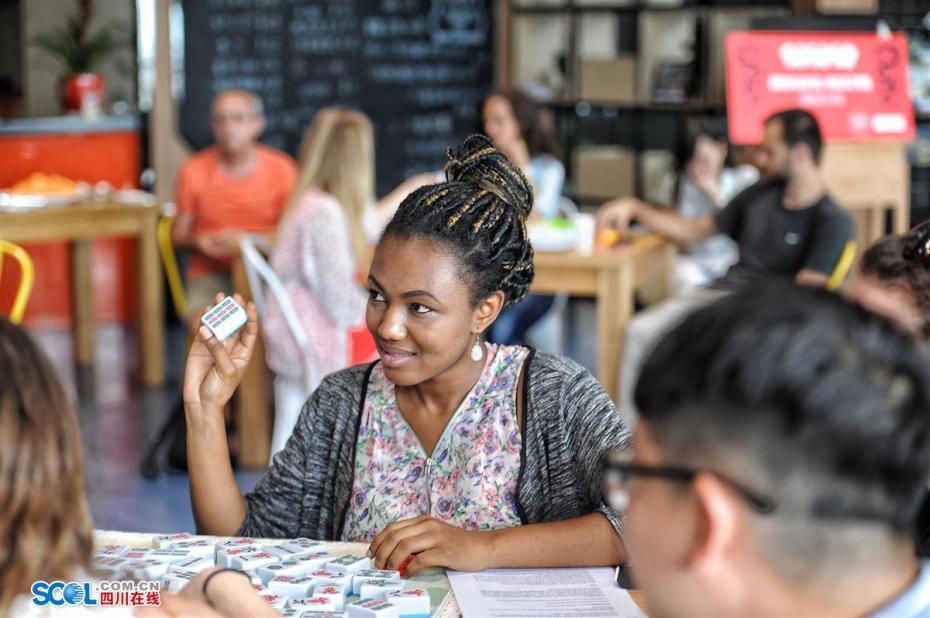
917	247
619	474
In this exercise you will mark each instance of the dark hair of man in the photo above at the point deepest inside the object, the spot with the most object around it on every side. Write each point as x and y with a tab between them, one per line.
890	261
535	123
810	400
479	214
800	127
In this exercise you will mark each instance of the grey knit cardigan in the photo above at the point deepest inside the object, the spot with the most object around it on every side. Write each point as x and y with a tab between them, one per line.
569	423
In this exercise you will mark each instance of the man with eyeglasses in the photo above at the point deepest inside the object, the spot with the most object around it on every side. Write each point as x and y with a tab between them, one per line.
781	455
235	186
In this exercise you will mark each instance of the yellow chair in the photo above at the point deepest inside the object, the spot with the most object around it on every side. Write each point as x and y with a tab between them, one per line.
170	262
843	266
26	278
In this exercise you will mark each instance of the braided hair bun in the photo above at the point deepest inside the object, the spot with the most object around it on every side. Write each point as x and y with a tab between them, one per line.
480	212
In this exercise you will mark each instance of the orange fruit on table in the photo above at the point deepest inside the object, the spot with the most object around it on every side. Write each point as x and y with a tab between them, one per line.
45	184
608	237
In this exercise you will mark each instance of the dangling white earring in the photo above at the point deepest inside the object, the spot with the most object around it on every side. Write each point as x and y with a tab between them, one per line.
477	352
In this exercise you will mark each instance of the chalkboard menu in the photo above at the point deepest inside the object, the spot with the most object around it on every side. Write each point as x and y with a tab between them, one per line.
418	68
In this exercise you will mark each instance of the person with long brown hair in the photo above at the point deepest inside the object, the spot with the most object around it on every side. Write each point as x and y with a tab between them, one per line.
321	241
45	529
45	524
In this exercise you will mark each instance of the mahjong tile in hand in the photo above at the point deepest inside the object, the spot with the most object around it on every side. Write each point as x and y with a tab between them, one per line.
350	564
293	586
225	318
410	602
317	604
378	588
309	614
371	608
370	574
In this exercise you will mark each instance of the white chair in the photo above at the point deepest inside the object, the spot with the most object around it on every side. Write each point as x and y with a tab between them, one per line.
289	396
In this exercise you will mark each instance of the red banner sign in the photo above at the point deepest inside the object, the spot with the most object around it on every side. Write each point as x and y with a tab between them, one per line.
856	84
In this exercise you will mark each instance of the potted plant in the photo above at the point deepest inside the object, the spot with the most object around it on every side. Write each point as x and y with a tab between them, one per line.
81	52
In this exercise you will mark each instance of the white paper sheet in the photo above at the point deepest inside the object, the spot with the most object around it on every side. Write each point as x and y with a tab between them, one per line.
542	593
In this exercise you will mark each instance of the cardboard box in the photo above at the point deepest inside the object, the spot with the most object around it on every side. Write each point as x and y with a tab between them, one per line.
603	171
847	7
608	80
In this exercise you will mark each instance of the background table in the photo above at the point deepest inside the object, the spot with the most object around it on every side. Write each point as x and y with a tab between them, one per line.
611	276
79	223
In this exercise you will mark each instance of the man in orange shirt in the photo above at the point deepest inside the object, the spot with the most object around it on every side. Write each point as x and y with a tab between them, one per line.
232	187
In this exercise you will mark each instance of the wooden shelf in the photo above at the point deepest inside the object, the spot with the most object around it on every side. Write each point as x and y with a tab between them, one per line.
637	7
686	107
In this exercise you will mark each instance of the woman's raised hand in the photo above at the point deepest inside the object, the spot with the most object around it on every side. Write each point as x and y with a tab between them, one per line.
215	368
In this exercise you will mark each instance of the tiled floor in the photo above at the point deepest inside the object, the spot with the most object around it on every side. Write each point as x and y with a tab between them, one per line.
118	419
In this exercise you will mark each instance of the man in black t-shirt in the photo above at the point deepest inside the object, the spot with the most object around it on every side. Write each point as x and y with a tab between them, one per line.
785	225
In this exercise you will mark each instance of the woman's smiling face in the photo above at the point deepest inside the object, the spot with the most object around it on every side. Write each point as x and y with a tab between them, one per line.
420	312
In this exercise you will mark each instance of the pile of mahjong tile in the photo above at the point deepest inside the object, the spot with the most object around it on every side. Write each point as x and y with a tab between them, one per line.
296	577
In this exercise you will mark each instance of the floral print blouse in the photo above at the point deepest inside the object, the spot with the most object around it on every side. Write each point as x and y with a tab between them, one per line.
469	481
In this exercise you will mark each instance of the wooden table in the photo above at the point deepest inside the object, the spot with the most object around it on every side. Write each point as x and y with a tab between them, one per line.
611	276
79	224
448	607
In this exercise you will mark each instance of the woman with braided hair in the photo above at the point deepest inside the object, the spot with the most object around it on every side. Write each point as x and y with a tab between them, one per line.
448	451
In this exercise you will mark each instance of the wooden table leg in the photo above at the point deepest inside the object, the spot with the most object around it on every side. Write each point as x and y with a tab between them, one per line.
876	224
252	412
151	310
614	310
900	216
82	303
669	255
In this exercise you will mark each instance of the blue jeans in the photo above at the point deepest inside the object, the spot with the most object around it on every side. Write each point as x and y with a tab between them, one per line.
512	324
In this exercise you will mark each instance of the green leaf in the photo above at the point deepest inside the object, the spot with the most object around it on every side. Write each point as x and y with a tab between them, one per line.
80	50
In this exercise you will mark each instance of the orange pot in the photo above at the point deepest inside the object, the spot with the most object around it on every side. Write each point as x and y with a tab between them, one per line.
77	87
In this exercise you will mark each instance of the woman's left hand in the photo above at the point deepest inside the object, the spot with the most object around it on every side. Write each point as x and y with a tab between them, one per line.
431	543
